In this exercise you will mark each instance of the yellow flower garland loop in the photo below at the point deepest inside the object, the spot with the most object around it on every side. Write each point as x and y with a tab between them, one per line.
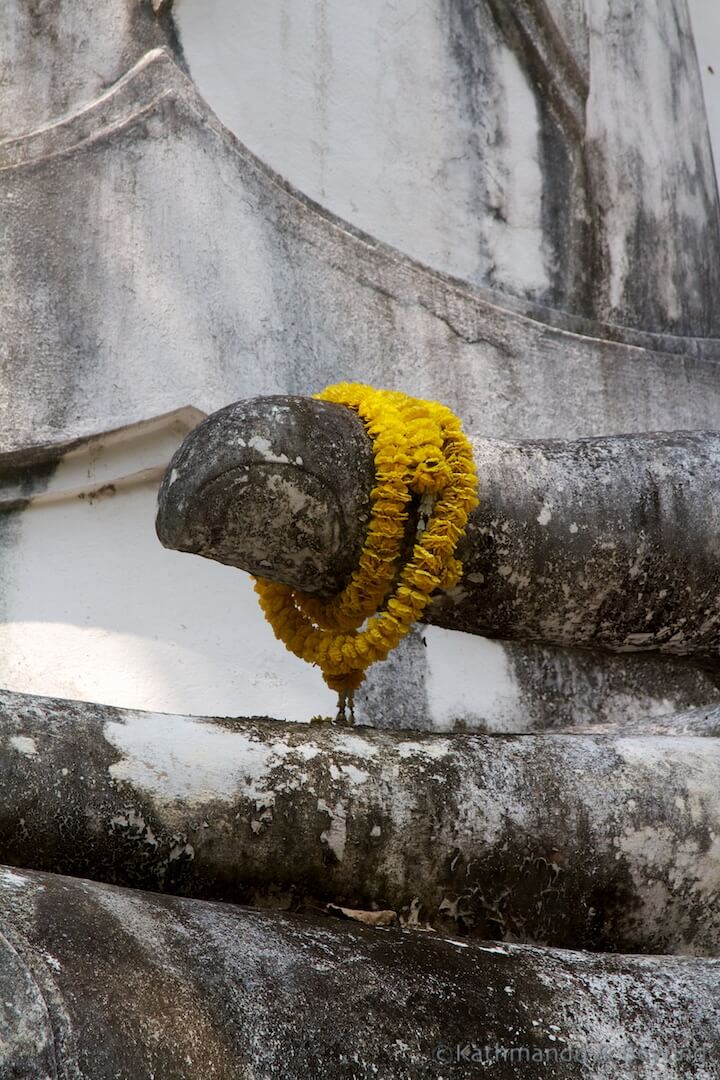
419	451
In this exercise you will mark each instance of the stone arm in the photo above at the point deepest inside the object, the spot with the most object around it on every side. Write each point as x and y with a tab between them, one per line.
609	542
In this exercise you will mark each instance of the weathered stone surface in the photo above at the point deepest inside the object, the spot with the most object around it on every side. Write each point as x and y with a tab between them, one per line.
555	150
469	683
608	542
123	208
132	215
578	841
100	982
292	298
60	57
250	505
701	721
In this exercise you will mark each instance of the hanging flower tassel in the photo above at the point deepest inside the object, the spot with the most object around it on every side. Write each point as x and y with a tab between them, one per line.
419	451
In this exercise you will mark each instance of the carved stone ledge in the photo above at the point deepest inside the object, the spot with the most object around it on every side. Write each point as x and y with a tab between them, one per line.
579	841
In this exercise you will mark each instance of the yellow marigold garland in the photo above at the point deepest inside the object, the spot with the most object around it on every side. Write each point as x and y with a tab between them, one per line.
419	449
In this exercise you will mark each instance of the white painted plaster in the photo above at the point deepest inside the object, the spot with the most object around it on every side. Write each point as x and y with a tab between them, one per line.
11	880
264	449
357	776
516	238
138	453
468	677
545	515
24	744
94	608
705	19
335	836
346	743
180	758
381	113
658	138
362	107
438	748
